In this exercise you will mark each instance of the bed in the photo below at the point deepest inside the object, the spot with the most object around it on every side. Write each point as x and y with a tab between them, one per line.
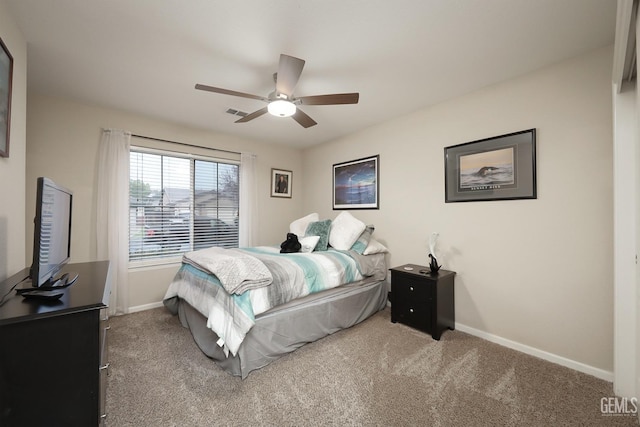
273	303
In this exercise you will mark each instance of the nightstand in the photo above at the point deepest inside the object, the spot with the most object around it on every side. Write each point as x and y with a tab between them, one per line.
423	301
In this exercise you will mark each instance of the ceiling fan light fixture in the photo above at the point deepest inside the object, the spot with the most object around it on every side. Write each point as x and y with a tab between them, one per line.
280	102
281	108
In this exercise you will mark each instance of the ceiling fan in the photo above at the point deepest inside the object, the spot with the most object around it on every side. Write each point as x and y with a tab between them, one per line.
281	101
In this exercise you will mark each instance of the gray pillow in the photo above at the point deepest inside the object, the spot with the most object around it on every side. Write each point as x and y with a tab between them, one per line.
363	241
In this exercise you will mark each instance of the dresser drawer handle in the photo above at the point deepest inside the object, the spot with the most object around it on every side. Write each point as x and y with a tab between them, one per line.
106	368
411	288
411	310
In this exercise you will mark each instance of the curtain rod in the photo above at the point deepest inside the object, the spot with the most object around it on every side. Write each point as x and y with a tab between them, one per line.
184	143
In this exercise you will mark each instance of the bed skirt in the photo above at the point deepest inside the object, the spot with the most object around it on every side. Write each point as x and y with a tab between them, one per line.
283	329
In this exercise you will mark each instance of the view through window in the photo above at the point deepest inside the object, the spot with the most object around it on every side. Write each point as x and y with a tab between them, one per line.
178	204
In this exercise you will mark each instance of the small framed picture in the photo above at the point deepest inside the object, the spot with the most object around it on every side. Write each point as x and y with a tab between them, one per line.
281	182
6	75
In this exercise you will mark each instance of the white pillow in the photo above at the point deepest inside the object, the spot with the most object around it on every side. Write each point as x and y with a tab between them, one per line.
345	230
308	243
299	226
375	247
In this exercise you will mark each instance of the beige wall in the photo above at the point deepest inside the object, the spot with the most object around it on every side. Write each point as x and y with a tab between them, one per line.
533	272
62	144
12	180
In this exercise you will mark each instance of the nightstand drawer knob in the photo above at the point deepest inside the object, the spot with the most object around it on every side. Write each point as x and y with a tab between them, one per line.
411	310
411	288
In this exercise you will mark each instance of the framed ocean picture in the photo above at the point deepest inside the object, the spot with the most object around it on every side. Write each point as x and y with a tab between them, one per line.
497	168
356	184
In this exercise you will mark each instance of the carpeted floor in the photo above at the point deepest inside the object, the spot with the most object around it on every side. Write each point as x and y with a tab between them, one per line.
374	374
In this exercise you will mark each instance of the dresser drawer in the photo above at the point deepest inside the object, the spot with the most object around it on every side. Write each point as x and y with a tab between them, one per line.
104	365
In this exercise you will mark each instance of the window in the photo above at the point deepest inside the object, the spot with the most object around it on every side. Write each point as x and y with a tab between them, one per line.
180	203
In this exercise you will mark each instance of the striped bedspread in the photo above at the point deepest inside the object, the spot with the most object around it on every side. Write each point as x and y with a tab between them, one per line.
295	275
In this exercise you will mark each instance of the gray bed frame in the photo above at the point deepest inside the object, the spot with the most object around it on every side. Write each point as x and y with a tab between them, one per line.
285	328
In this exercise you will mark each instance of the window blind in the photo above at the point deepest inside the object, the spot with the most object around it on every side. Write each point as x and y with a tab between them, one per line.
179	203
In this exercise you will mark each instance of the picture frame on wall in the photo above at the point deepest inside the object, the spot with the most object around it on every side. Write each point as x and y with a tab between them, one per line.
497	168
356	184
281	183
6	81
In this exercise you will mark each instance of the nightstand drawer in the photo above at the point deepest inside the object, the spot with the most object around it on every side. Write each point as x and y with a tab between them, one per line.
415	315
410	289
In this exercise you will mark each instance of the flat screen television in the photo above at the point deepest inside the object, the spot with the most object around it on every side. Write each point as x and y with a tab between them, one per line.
52	232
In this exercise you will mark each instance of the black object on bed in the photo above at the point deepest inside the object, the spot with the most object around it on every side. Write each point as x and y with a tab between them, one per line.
291	245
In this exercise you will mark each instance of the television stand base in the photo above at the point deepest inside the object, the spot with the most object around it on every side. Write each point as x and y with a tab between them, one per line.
66	280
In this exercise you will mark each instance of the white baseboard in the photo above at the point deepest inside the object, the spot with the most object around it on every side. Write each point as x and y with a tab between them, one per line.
550	357
145	307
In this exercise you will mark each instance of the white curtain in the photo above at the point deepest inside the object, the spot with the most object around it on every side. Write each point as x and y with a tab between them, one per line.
248	200
113	213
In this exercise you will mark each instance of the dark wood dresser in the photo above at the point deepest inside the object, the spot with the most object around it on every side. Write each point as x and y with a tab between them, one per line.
53	355
423	300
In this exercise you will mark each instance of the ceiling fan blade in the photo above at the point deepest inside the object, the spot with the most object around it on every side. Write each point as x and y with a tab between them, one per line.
252	116
334	99
302	118
289	71
230	92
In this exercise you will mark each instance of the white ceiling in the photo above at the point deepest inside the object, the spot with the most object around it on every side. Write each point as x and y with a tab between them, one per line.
145	56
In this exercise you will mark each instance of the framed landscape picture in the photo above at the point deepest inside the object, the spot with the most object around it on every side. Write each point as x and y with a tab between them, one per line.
281	182
497	168
356	184
6	76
